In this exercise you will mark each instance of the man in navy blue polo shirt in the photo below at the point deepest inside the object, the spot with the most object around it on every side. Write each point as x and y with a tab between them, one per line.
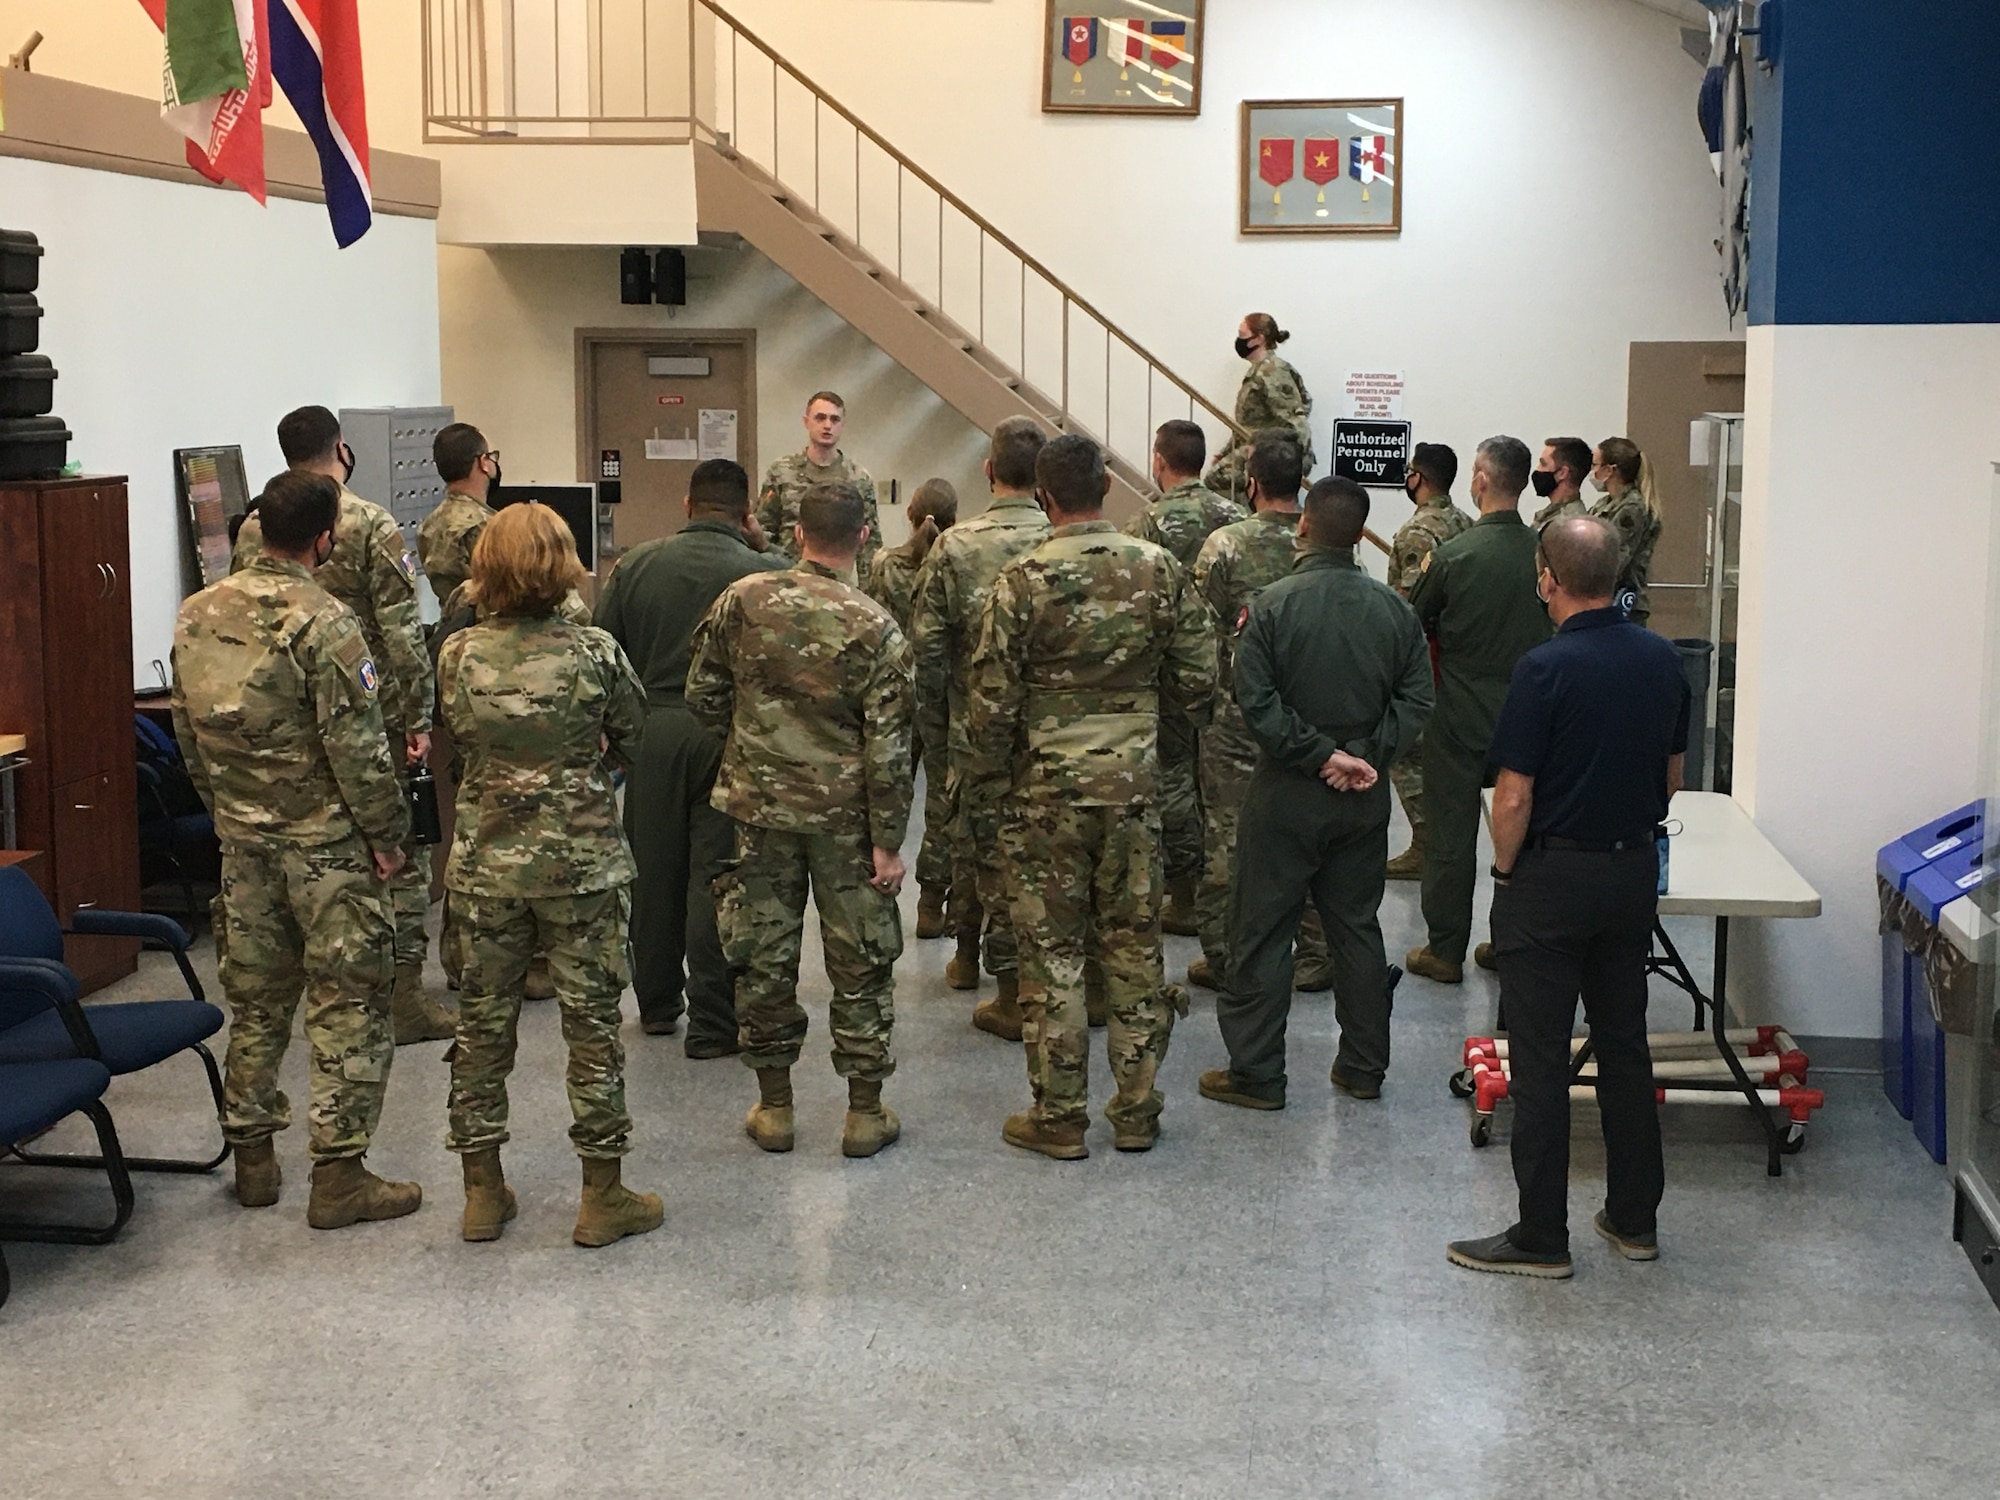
1589	747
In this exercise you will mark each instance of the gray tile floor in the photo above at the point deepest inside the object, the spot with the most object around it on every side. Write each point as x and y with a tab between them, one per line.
1260	1307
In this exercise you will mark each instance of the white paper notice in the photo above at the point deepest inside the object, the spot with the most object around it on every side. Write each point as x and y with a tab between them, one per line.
718	433
1372	395
683	448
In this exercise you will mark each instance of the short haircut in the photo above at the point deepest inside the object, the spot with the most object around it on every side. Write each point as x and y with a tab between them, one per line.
525	561
719	487
832	515
1583	553
1573	454
1336	512
456	449
1277	464
1437	463
308	435
833	396
1182	446
296	507
1507	463
935	500
1070	471
1017	443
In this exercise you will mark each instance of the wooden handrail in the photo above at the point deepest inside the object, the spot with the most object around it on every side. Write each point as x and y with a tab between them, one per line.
945	195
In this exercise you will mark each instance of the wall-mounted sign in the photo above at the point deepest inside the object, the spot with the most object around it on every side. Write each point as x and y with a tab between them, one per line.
1376	395
1376	454
672	400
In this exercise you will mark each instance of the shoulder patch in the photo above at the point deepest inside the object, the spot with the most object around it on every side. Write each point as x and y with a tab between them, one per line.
351	649
408	564
368	674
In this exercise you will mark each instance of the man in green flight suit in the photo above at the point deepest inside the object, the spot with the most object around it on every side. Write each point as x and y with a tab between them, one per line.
1476	598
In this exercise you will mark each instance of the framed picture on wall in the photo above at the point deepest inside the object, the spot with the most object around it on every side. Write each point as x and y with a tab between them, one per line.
1145	63
1321	166
212	493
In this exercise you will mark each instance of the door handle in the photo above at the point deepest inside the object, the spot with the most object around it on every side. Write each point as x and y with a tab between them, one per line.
112	570
83	905
103	581
84	806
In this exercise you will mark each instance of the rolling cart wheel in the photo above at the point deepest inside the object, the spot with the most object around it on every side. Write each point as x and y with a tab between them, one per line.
1795	1139
1461	1084
1482	1130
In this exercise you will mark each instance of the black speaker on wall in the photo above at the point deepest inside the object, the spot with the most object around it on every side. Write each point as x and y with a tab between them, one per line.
670	278
635	276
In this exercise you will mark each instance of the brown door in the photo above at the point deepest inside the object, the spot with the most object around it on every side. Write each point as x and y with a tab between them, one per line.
1670	386
654	390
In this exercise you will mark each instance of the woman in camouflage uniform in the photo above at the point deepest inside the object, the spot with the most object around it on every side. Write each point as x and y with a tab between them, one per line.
542	709
1272	395
1633	508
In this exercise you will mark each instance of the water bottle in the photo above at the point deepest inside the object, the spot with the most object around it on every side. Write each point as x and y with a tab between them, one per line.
424	825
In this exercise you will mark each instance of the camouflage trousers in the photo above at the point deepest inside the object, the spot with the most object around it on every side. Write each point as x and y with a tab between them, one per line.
408	894
935	866
1085	885
1180	798
1407	774
979	885
1228	759
761	907
584	937
311	920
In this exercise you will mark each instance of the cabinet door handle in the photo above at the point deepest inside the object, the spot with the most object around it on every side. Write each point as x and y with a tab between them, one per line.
83	806
103	581
82	905
112	569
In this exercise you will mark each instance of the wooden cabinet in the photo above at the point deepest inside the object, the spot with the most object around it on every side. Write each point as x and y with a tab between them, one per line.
66	683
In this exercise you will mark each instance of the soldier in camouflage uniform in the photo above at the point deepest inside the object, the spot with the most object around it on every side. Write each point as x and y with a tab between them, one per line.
1633	510
808	679
542	711
446	537
1433	468
822	462
1085	641
274	704
1181	520
1558	479
371	573
1236	565
1272	395
944	629
932	511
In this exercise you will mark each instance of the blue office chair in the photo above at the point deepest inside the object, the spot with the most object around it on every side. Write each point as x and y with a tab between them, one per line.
35	1096
41	1019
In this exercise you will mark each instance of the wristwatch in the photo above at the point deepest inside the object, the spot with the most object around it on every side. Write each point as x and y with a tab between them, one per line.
1503	876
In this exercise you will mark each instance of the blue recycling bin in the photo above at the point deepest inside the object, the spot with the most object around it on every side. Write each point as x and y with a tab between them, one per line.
1897	864
1930	891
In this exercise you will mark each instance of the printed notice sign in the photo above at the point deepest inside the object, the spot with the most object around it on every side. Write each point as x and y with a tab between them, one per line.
1376	454
1372	394
682	449
717	431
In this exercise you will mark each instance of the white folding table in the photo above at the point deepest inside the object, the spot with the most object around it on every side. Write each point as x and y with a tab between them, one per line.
1719	865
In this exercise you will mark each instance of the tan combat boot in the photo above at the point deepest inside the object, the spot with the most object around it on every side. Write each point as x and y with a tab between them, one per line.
257	1174
489	1202
345	1192
1201	973
930	910
1001	1016
413	1015
1096	1003
1422	961
539	985
1178	917
962	973
770	1121
1483	956
1031	1132
1409	865
871	1124
610	1210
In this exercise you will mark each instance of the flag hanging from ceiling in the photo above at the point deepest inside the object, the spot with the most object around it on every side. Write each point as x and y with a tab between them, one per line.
215	84
316	55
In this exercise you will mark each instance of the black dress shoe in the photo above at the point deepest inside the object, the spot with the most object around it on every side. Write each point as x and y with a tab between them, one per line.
704	1048
1502	1256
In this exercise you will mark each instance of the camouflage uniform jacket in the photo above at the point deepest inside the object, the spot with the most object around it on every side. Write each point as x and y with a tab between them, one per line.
950	604
785	484
808	681
541	711
1236	565
1638	529
1273	395
1435	521
371	573
274	704
892	582
445	539
1185	517
1085	641
1574	506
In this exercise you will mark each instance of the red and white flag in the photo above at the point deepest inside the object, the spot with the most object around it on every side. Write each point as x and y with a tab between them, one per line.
215	84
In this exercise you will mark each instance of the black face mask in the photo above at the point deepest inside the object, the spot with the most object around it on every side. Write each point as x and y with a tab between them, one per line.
346	456
1243	348
494	487
1544	481
1412	486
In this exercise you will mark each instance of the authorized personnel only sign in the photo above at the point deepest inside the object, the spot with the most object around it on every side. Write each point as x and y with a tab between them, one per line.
1376	454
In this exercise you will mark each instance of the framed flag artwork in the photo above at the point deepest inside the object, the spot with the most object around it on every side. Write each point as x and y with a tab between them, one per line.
1144	59
1321	166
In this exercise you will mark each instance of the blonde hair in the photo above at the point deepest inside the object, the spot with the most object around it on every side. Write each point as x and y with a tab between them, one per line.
525	562
1623	455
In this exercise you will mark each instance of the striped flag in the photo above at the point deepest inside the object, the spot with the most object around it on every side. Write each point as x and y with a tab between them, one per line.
215	84
316	54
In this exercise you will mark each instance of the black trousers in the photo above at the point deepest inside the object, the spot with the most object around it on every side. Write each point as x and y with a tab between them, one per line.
1572	925
680	845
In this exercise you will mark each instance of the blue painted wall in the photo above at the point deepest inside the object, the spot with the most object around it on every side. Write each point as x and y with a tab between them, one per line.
1876	184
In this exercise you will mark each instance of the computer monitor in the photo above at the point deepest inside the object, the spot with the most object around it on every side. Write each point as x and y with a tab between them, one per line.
575	503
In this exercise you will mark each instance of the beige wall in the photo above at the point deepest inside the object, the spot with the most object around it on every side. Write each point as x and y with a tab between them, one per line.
509	319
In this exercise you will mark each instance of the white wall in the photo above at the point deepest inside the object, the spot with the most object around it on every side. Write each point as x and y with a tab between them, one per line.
1558	202
179	316
510	317
1867	494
